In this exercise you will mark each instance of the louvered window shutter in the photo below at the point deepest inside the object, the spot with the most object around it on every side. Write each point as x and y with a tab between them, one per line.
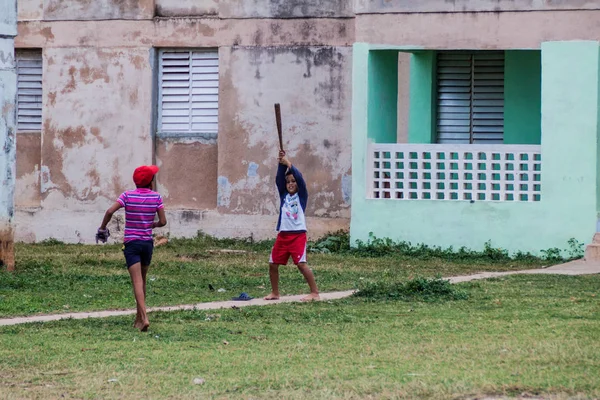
470	95
29	90
189	92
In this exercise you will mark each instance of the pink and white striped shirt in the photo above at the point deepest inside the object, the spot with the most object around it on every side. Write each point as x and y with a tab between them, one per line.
141	206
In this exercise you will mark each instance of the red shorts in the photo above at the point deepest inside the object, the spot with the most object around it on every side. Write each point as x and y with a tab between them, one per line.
289	244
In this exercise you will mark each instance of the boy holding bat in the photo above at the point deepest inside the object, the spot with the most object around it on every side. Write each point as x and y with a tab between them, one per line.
291	239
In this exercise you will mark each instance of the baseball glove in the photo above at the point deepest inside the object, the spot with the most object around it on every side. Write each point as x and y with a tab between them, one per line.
102	235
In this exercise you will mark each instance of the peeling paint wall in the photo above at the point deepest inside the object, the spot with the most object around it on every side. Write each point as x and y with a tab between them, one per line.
314	92
99	105
30	9
97	124
29	155
99	113
186	8
188	173
285	9
8	89
61	10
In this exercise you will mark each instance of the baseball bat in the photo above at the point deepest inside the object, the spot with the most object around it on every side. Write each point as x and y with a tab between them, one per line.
278	121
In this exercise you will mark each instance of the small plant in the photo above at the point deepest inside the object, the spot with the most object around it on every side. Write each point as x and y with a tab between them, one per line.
417	289
576	249
51	242
552	254
332	243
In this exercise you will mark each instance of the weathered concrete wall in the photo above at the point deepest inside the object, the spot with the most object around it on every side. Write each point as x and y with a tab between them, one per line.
312	84
29	155
8	90
97	124
98	113
186	32
30	9
452	6
509	30
186	8
243	9
8	25
188	173
82	10
285	8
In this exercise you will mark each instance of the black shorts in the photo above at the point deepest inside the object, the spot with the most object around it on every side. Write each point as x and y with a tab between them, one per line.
138	251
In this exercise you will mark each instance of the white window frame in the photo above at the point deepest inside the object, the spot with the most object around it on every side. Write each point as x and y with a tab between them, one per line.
470	97
29	90
202	91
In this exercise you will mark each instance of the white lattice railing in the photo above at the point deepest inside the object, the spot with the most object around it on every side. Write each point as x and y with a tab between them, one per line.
454	172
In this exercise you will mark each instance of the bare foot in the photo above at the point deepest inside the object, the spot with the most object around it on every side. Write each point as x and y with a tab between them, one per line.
311	297
272	296
144	326
138	324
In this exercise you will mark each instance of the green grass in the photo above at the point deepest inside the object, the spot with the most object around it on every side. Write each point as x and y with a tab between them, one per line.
53	277
536	335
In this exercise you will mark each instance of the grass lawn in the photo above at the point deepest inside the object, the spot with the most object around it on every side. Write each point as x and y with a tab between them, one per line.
531	335
58	278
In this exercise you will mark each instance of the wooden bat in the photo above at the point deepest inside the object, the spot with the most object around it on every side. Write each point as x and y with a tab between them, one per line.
278	121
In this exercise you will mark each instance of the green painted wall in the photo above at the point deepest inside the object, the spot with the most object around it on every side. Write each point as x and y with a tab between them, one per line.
569	170
383	95
598	167
421	121
523	97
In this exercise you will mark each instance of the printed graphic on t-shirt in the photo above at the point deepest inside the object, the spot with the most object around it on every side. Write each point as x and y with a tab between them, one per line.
292	214
291	206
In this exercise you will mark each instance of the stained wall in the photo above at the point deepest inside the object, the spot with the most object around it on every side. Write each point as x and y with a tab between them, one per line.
100	110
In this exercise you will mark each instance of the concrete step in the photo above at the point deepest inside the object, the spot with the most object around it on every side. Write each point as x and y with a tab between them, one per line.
592	252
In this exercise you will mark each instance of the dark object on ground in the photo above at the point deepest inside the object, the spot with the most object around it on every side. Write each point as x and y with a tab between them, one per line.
242	297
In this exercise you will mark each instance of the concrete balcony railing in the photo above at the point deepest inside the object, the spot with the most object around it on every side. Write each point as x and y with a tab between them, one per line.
471	172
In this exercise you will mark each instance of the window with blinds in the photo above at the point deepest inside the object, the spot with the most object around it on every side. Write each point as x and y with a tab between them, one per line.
470	97
29	90
189	93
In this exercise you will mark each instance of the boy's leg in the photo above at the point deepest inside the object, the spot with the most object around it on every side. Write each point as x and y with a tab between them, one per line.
310	279
146	249
135	272
138	318
144	274
274	278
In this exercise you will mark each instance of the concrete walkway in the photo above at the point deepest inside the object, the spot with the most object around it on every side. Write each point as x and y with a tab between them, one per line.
577	267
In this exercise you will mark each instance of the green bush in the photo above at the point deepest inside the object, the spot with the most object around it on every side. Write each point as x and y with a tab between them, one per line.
339	242
417	289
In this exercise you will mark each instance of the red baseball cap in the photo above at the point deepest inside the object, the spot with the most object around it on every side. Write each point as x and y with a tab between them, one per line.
143	175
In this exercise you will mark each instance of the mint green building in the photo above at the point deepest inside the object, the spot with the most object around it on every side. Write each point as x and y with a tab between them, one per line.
469	137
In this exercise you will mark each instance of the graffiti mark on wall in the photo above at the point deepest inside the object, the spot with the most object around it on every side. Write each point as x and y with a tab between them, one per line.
7	59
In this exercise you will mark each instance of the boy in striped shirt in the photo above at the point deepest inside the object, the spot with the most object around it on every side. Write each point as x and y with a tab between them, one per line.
141	206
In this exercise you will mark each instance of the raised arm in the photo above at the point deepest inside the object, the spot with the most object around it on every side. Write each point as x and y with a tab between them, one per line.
280	179
281	170
302	191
